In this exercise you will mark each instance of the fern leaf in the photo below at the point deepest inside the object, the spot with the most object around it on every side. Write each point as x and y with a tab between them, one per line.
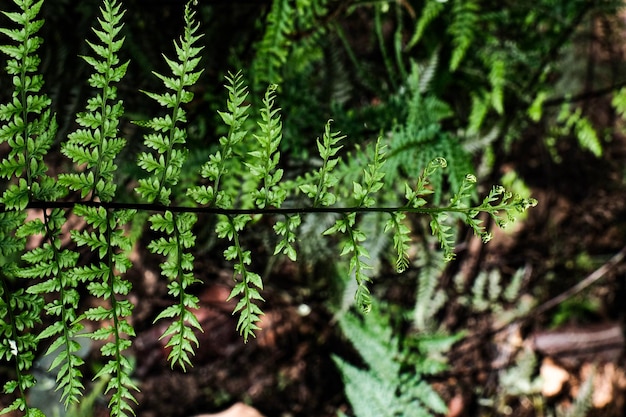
97	144
432	9
272	50
463	29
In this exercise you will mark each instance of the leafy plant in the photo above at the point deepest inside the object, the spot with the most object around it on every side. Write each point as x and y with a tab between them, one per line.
395	380
241	181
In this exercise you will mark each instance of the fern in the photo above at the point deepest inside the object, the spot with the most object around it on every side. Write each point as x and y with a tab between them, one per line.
463	29
428	298
249	282
420	139
216	168
51	261
168	140
389	390
431	10
272	50
29	128
96	144
241	181
106	282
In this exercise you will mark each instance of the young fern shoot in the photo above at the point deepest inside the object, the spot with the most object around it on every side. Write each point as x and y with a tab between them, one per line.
168	142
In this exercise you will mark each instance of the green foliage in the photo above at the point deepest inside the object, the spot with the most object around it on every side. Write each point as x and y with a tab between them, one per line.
276	53
463	29
421	138
241	181
96	144
573	123
216	168
168	140
28	127
105	281
394	382
272	50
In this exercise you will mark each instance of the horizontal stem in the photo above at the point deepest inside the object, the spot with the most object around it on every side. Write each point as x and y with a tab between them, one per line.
233	212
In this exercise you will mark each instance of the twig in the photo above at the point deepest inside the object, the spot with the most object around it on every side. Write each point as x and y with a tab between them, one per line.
588	281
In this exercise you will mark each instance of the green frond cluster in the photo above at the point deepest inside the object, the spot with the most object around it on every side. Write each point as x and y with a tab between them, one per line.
104	280
216	168
53	265
168	139
390	389
29	128
353	244
290	41
27	124
429	298
96	143
264	162
420	139
19	311
249	283
164	166
465	16
241	181
319	185
431	10
571	122
273	50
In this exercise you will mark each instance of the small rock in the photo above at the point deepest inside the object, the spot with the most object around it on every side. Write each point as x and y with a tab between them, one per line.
236	410
553	377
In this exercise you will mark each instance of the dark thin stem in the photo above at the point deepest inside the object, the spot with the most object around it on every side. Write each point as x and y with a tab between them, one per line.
234	212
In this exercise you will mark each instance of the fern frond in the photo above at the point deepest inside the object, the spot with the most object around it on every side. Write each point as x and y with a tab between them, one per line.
389	389
265	160
29	127
431	264
432	9
401	239
420	139
20	311
216	168
54	265
353	245
319	186
272	51
463	29
105	282
168	141
249	283
96	143
359	384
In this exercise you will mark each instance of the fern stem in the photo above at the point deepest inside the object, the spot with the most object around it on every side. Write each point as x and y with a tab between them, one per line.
270	210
